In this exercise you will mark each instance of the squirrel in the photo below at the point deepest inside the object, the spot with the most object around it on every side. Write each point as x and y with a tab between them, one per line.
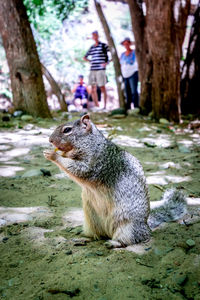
115	196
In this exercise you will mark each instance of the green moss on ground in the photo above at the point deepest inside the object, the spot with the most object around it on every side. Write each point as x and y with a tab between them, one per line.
42	258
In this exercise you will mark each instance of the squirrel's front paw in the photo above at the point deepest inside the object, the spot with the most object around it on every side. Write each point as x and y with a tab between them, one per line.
50	154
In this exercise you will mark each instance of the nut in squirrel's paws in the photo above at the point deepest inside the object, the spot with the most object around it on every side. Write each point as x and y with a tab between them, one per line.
50	154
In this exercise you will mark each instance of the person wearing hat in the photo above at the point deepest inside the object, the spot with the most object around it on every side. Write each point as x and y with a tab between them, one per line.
98	54
129	68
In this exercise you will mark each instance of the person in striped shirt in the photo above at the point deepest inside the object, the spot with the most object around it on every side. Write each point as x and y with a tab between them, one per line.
97	55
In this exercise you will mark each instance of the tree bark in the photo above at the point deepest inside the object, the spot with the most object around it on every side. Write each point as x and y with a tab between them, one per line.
55	88
23	61
165	33
113	50
190	80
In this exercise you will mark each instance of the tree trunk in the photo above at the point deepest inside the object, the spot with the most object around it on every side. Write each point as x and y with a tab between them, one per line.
165	34
191	70
113	50
159	36
23	61
55	88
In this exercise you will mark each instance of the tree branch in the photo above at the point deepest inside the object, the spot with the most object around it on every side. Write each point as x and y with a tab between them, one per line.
55	88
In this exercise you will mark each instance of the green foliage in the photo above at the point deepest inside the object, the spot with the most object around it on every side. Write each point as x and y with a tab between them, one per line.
61	29
65	7
60	8
125	22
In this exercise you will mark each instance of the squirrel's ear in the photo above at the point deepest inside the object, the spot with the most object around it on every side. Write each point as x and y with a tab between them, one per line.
85	120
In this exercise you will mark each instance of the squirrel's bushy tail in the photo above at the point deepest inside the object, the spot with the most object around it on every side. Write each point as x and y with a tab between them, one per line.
171	207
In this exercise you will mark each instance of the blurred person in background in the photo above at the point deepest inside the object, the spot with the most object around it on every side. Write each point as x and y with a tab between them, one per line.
98	58
81	94
129	68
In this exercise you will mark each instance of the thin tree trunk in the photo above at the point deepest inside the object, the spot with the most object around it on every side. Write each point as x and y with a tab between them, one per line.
23	61
143	56
113	50
190	81
55	88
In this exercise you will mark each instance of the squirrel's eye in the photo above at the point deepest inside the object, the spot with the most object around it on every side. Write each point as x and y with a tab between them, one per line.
67	130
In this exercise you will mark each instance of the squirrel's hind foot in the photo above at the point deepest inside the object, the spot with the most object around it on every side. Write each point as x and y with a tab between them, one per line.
113	244
132	233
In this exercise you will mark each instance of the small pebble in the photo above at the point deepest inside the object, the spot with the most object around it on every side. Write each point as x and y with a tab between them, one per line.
190	243
5	118
164	121
183	149
17	113
26	118
68	252
180	279
99	253
45	172
80	243
5	239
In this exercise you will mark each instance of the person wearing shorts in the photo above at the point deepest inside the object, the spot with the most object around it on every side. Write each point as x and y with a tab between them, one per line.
98	54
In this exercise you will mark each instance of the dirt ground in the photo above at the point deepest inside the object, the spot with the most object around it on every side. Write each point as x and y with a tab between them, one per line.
43	253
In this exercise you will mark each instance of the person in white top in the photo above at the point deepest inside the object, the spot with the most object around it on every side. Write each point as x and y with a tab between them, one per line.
129	68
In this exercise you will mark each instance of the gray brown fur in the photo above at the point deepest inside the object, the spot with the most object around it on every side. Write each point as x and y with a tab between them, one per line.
114	190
